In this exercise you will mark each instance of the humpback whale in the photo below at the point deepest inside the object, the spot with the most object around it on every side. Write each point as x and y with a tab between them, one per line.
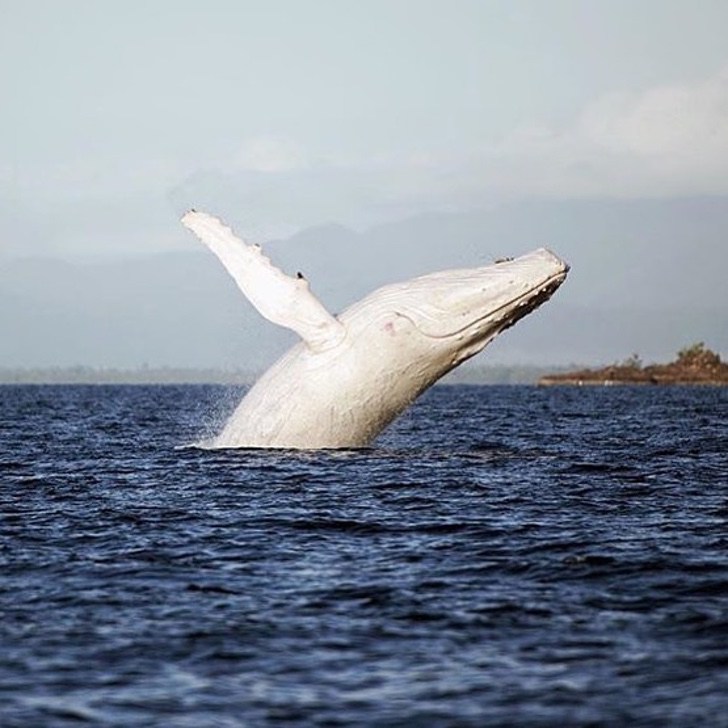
352	374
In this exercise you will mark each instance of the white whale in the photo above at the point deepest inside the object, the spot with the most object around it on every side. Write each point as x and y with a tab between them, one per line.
352	374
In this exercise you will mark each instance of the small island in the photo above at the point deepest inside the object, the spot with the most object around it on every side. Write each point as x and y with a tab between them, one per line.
694	364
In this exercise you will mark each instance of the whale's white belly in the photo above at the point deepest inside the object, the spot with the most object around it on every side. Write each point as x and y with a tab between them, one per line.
338	399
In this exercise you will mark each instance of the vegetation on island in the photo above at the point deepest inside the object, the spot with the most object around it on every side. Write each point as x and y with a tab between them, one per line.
695	364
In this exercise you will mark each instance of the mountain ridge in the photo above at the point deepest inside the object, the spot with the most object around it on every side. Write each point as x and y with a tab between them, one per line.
646	275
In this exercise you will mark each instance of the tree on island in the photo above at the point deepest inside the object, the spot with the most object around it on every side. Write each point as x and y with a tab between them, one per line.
697	355
695	364
632	362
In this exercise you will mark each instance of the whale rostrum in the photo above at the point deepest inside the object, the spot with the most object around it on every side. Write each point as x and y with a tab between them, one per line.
352	374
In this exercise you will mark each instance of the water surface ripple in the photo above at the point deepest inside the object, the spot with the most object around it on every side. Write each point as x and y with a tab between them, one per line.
501	556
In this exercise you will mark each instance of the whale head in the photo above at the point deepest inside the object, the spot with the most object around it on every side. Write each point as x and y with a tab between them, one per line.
458	312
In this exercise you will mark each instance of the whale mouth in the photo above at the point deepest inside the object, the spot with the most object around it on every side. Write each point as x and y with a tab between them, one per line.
532	299
505	315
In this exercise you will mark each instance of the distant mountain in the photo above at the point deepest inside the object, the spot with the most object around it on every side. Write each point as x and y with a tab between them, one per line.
647	277
172	309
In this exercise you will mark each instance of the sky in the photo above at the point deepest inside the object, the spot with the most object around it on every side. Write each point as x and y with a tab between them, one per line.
287	113
284	115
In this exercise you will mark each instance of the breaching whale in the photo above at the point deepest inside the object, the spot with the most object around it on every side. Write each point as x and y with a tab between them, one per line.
354	373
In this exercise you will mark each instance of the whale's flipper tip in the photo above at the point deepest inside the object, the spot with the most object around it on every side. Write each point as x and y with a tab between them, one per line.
189	218
281	299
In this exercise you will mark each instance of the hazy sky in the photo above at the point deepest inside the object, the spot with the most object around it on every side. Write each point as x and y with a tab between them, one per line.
280	114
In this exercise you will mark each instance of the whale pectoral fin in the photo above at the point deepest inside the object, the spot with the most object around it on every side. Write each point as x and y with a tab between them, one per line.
282	299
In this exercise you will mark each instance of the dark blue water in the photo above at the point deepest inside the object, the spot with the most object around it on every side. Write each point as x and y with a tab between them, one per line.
501	556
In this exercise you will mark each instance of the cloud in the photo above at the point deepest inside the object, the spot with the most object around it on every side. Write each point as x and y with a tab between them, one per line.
670	140
270	154
679	121
666	141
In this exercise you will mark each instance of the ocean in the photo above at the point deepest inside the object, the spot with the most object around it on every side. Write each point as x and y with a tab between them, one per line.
501	556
